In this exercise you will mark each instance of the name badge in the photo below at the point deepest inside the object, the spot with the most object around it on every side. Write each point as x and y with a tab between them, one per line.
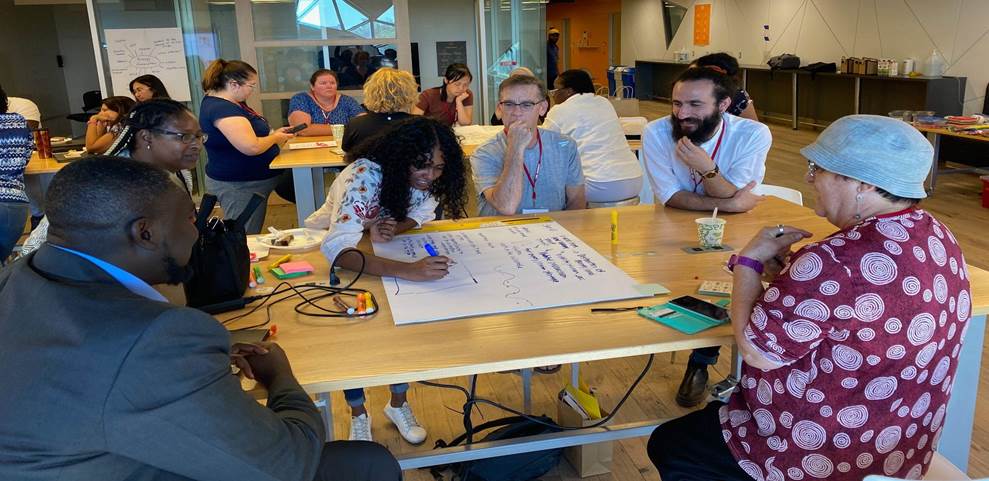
535	211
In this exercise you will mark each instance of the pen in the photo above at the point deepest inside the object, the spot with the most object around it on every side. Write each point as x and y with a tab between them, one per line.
616	309
430	249
343	305
280	261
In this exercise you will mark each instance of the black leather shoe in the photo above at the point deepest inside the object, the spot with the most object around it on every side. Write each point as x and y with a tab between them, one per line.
693	388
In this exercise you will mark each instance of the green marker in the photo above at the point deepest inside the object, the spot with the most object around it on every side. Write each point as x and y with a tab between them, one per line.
257	275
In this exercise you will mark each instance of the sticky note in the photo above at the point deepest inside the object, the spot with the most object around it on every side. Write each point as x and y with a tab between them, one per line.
297	266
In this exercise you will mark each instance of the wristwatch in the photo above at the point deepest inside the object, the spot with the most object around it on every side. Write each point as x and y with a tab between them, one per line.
749	262
711	173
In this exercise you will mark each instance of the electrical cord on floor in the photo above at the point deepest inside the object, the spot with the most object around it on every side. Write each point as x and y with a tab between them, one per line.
472	400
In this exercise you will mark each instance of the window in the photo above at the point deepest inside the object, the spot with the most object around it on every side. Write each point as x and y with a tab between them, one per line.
324	20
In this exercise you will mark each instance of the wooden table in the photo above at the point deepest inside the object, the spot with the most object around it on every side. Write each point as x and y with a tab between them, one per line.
934	135
325	357
37	165
307	171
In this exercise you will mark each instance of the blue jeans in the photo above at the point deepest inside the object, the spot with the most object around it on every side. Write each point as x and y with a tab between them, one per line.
12	218
705	355
355	397
234	196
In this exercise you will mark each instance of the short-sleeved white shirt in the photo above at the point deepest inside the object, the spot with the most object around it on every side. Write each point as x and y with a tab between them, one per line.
591	120
741	156
27	109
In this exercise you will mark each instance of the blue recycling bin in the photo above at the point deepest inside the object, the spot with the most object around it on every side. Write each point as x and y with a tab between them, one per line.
628	80
611	80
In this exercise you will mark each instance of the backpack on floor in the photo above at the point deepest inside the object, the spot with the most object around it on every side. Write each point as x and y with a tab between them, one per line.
513	467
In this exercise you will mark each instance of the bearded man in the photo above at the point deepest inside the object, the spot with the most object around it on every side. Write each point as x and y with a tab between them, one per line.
699	158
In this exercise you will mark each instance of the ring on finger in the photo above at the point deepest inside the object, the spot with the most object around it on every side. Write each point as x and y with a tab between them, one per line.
779	231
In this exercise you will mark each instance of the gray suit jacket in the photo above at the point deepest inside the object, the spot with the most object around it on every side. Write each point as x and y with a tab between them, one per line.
98	383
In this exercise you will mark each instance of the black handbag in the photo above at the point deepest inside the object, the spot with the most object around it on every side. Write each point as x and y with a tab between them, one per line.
784	61
220	261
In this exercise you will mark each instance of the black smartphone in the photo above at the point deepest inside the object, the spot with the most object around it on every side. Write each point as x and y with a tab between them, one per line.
296	128
701	307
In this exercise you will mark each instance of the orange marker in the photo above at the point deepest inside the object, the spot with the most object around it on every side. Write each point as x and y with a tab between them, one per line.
272	332
252	280
361	304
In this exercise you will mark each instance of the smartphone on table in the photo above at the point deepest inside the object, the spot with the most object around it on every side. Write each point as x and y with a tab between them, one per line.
701	307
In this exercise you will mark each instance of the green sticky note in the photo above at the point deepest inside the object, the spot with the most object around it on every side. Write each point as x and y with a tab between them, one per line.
652	289
281	275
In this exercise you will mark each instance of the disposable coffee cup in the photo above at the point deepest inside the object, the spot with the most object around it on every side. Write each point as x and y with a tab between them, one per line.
337	133
710	231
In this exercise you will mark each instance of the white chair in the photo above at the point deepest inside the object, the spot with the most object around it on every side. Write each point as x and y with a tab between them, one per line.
785	193
940	470
617	203
633	125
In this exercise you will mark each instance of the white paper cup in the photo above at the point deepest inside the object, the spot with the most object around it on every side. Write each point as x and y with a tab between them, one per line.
710	232
337	133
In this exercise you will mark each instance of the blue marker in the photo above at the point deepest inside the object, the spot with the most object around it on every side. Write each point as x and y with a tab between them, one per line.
430	250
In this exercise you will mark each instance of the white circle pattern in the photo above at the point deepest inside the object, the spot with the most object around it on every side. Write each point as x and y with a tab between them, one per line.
829	287
921	329
817	466
896	351
908	373
771	294
869	307
807	267
941	369
938	417
853	417
808	435
866	334
880	388
863	460
911	430
915	471
846	357
764	421
911	285
893	463
893	325
938	255
893	230
878	268
849	383
813	309
844	467
893	247
826	365
752	469
815	396
802	330
953	265
844	312
925	355
789	301
964	303
888	438
928	295
866	436
786	419
920	407
940	289
765	392
919	253
873	359
841	440
795	473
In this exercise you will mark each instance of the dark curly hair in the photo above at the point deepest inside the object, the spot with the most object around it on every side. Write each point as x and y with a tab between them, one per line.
147	115
408	145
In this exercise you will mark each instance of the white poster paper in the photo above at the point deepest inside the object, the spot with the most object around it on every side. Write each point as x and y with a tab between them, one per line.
502	269
157	51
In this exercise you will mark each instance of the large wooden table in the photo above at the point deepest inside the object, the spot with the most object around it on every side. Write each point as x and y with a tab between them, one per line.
307	171
324	359
934	135
37	165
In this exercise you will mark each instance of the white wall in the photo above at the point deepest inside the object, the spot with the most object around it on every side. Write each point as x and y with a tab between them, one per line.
75	45
434	21
826	30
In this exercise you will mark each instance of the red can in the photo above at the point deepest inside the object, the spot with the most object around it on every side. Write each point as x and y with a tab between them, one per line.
44	143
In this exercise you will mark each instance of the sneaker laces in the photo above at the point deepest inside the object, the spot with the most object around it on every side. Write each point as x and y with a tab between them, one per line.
360	424
407	416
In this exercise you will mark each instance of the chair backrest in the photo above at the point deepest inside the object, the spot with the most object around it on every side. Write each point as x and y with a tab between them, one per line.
785	193
91	100
633	125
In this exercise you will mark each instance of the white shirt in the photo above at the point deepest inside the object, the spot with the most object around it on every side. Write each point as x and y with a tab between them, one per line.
591	120
741	158
25	107
354	203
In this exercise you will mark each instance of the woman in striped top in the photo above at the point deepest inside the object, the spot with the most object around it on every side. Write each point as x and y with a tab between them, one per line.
16	145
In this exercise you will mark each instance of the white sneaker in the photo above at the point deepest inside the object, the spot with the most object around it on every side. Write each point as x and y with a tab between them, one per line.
406	423
360	427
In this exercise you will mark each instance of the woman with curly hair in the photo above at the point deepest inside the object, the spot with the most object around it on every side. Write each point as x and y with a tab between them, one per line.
389	96
105	126
393	185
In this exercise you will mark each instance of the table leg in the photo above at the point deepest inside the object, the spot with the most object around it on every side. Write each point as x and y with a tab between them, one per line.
857	94
956	435
527	390
310	192
325	406
793	93
935	140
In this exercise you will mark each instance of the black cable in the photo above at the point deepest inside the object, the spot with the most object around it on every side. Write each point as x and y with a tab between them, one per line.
471	401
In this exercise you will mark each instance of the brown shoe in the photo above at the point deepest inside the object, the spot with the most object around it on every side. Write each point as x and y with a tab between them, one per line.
693	388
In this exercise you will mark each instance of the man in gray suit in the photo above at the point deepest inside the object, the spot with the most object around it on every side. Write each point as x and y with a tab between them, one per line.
103	379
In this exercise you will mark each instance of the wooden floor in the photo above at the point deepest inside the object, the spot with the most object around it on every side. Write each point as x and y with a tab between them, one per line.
956	202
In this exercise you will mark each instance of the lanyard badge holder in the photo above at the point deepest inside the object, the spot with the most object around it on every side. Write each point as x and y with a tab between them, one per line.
533	179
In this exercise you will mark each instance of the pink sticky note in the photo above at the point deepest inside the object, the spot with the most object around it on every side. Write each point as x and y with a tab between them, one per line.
297	266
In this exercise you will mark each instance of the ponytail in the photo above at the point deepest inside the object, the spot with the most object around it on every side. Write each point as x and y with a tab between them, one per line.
220	72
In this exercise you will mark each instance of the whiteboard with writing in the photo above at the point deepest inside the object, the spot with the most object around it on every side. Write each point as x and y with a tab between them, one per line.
157	51
501	269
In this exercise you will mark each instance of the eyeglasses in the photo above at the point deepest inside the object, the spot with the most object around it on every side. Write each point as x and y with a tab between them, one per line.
525	106
811	168
184	137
